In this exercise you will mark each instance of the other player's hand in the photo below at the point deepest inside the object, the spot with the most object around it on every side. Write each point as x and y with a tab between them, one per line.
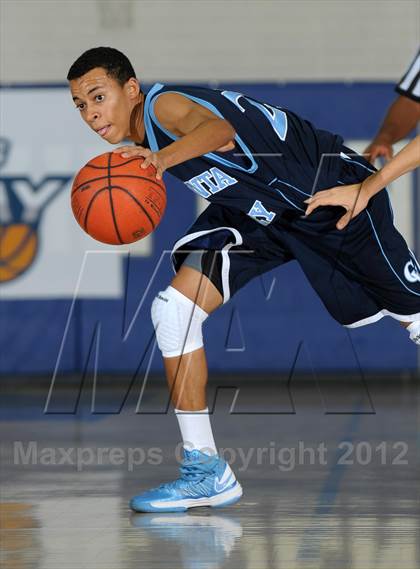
378	149
348	197
150	157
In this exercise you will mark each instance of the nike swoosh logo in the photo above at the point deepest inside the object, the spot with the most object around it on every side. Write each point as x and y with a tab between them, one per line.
219	485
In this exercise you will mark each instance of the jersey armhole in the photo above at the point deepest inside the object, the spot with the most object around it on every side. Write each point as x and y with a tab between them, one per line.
150	117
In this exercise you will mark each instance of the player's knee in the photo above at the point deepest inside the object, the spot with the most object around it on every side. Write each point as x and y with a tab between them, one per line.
178	323
414	331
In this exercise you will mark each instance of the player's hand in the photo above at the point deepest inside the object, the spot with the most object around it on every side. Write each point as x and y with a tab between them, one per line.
150	157
378	149
348	197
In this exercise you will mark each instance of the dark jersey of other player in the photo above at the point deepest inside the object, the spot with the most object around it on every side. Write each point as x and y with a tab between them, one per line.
279	159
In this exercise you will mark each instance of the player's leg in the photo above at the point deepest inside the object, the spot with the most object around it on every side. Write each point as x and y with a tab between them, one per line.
193	294
389	268
414	330
235	250
363	273
178	314
187	374
386	267
204	280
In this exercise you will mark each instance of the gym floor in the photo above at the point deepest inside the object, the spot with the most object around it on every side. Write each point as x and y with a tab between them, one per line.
330	471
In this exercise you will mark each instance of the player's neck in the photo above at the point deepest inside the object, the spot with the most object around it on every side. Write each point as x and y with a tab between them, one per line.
137	128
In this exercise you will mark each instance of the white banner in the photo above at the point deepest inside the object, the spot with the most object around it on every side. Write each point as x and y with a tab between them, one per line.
43	143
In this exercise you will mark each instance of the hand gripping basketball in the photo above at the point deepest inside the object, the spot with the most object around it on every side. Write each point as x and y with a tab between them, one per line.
150	157
115	200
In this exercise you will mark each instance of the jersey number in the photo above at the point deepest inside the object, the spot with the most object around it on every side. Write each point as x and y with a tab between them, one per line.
276	117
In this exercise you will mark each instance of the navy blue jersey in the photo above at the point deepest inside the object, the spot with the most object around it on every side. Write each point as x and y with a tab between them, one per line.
279	158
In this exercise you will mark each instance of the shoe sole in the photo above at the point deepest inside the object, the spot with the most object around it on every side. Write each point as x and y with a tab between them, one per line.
221	500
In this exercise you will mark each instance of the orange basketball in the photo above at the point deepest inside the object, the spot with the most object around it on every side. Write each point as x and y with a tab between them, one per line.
116	201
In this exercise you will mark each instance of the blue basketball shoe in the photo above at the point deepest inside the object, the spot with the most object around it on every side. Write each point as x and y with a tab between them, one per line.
205	481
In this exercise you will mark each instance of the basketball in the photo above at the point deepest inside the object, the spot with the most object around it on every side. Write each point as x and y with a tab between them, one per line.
116	201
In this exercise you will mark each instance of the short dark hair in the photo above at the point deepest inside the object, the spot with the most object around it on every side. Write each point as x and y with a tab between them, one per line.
116	64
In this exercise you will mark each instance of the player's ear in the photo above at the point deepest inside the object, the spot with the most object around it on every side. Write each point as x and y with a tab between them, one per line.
132	88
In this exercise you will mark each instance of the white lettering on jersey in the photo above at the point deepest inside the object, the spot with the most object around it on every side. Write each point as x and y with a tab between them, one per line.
411	272
210	182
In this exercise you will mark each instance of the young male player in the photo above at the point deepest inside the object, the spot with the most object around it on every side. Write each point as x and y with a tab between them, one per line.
256	164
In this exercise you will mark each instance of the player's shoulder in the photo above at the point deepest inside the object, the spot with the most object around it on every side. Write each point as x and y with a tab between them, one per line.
175	105
169	101
170	106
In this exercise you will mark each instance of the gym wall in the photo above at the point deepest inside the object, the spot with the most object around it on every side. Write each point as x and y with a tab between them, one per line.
75	298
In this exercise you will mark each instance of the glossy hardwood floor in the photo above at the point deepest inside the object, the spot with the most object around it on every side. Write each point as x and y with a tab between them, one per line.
330	472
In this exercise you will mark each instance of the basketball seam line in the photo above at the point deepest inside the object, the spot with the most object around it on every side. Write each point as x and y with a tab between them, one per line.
138	203
111	201
77	188
90	205
110	188
89	165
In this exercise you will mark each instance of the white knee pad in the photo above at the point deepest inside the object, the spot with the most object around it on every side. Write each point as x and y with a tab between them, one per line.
414	330
178	323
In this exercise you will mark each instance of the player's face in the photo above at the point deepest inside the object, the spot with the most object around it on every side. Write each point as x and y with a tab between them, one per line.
104	104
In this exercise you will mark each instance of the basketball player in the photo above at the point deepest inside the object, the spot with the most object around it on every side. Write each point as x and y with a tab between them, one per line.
256	164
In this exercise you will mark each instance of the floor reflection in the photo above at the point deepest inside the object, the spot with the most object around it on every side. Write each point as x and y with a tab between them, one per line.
205	541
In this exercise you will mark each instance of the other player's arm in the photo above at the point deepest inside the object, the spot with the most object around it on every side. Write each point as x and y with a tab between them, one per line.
199	130
401	118
354	198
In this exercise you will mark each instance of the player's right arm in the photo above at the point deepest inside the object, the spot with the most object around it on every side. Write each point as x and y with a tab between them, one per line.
199	130
401	118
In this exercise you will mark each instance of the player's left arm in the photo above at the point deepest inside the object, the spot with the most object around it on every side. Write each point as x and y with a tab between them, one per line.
354	198
199	130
